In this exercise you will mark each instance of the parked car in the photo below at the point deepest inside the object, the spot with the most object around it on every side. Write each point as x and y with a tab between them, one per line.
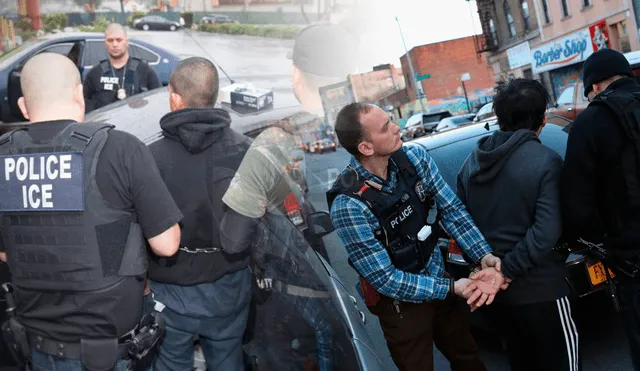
570	102
453	122
451	148
85	49
485	113
156	22
217	19
140	115
322	146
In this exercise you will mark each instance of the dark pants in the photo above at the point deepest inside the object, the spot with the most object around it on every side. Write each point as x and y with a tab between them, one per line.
540	336
220	340
629	295
411	334
45	362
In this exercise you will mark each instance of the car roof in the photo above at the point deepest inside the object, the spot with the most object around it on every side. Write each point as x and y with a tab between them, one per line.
141	114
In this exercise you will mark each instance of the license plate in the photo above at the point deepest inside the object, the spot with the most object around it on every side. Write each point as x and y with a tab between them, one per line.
597	273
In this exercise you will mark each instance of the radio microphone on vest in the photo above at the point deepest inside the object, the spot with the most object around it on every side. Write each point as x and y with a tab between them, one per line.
424	233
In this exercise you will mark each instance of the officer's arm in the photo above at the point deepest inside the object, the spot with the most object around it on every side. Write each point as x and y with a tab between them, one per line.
354	223
167	242
542	236
89	89
454	214
152	79
577	190
237	231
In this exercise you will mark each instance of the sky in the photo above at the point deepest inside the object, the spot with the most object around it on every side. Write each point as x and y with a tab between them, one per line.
422	22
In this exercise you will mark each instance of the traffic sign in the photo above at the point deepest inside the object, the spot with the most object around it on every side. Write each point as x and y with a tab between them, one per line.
423	77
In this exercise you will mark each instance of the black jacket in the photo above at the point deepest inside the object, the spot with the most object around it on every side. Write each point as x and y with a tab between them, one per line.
99	90
510	185
197	159
593	189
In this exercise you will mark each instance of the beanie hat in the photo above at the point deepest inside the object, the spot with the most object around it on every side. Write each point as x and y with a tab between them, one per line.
603	64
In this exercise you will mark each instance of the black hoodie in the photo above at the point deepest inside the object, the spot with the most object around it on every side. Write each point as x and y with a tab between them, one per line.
510	185
197	158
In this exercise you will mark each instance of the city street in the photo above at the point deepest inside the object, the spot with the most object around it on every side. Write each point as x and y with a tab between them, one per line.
263	62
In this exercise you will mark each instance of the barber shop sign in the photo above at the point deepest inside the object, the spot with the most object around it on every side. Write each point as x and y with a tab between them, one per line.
573	48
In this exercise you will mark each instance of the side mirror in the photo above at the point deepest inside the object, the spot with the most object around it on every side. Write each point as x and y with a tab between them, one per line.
320	223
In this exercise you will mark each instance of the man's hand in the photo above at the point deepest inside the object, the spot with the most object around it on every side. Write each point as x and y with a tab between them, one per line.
491	261
3	257
464	285
487	283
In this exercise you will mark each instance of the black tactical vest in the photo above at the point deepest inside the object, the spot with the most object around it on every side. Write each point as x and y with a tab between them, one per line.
59	233
401	215
626	106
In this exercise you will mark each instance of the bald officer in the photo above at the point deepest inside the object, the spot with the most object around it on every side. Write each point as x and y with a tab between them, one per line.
120	76
78	203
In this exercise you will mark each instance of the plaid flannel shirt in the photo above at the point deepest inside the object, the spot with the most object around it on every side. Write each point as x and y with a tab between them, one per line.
355	224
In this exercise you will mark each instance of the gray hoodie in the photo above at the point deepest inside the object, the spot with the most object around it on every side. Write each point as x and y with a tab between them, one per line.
510	185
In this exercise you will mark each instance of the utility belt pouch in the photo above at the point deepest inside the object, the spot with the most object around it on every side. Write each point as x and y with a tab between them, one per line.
15	336
369	294
99	354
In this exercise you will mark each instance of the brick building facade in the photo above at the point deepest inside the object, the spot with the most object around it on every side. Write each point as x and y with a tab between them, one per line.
446	62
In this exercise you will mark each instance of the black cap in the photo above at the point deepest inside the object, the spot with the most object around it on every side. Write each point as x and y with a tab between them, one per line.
325	50
603	64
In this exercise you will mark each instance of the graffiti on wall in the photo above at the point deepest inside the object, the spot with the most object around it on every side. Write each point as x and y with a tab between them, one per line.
563	77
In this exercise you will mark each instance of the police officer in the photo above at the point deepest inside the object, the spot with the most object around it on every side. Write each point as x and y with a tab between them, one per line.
79	202
386	207
120	76
322	55
600	183
201	290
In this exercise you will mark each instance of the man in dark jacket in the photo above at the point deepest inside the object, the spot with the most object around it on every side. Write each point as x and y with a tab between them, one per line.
201	290
510	184
600	178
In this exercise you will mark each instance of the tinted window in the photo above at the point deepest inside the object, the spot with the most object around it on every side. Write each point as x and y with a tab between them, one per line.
63	49
566	98
142	53
95	52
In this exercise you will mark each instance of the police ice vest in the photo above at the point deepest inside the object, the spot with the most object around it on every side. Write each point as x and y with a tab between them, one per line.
626	105
58	231
401	215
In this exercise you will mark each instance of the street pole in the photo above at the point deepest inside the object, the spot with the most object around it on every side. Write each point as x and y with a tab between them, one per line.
419	92
465	96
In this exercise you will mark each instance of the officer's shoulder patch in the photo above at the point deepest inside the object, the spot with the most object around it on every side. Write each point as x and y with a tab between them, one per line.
420	191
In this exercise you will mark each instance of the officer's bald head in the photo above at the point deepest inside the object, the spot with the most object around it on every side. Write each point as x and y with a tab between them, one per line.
195	80
45	96
115	28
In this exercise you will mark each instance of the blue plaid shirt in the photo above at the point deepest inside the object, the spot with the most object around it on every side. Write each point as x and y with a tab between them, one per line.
355	224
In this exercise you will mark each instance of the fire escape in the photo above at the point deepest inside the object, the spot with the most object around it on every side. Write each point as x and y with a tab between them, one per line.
488	41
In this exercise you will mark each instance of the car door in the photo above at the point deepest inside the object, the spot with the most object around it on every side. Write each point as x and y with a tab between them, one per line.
71	49
94	52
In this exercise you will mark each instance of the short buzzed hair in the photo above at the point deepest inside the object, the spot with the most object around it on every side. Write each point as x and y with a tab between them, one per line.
349	129
42	90
116	27
195	79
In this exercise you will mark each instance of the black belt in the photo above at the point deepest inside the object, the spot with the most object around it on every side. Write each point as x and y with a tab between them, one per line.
72	350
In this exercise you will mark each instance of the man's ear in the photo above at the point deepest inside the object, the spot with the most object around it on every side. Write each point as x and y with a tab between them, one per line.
175	101
78	95
366	148
23	107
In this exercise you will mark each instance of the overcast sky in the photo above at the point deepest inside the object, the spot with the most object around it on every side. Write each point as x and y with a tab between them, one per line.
422	21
